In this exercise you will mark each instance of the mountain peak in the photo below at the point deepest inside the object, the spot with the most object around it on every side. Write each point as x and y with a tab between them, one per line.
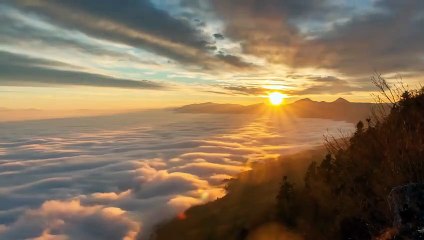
304	100
341	100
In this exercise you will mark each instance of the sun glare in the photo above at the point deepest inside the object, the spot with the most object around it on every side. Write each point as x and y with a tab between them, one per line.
276	98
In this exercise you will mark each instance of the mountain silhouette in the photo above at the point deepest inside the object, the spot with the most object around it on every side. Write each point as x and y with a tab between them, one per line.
340	109
341	101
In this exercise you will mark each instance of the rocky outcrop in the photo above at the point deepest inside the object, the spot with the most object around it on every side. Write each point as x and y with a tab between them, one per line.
407	203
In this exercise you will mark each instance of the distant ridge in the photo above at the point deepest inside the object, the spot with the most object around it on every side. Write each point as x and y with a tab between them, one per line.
341	100
340	109
209	107
304	100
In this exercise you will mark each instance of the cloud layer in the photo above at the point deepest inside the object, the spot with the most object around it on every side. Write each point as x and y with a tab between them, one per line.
239	43
116	177
384	36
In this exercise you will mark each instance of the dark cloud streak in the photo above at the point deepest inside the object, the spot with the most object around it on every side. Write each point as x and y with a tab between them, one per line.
136	23
319	85
19	70
245	90
14	32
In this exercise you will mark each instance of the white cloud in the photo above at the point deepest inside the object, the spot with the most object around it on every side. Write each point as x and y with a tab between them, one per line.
71	220
134	170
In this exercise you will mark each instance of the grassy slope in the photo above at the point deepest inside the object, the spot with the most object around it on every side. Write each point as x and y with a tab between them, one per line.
250	202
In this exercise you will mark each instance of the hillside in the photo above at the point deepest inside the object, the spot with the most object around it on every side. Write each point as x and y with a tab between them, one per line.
340	109
250	201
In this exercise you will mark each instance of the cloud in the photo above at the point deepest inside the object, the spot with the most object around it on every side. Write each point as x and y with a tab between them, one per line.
164	183
324	34
387	39
208	168
229	38
218	36
27	32
111	196
329	85
267	28
125	173
312	85
137	16
20	70
140	24
181	203
234	60
246	90
71	220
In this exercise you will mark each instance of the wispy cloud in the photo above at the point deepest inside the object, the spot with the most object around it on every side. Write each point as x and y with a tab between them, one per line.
215	41
135	23
329	85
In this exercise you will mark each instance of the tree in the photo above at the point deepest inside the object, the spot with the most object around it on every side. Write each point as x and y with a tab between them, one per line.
286	203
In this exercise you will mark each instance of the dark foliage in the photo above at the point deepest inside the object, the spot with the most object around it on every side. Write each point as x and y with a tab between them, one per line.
345	195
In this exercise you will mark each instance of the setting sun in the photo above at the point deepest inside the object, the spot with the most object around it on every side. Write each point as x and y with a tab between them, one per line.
276	98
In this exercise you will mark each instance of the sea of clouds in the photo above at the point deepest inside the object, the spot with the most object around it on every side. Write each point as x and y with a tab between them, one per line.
115	177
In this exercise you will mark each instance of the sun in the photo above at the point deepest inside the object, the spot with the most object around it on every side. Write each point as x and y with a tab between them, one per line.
276	98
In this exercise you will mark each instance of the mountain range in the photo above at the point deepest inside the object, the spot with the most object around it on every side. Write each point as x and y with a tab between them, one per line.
340	109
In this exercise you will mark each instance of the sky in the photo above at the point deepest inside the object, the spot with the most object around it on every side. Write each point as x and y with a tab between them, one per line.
135	54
